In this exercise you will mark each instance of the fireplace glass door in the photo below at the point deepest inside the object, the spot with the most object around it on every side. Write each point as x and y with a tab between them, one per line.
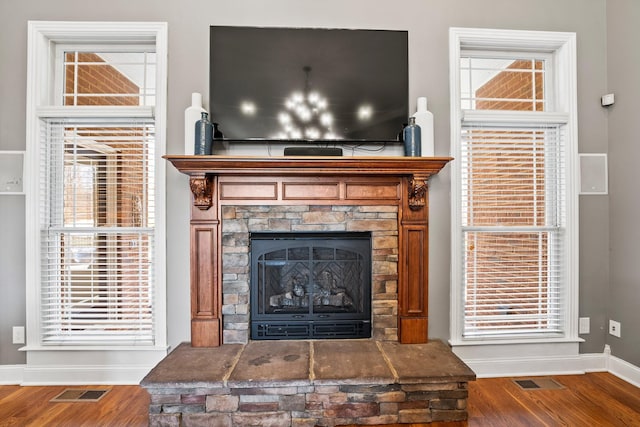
310	285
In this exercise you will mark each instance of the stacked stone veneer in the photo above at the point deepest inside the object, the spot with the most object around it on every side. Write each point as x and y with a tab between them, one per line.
309	405
239	221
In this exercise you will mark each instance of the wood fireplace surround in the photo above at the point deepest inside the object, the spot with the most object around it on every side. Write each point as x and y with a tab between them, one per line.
218	181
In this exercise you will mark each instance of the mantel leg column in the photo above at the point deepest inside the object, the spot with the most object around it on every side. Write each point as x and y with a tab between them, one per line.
206	322
413	271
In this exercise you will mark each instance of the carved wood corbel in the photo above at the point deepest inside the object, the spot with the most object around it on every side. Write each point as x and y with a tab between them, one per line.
202	189
418	186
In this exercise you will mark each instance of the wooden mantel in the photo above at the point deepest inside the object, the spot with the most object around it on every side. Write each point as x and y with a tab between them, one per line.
216	181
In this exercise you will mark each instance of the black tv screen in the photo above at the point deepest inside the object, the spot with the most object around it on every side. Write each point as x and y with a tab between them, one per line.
308	83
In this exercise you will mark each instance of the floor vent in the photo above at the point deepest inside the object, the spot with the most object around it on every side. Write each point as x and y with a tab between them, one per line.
78	395
538	384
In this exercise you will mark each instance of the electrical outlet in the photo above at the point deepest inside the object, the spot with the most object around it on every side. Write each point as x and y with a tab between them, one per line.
18	334
607	100
614	328
584	327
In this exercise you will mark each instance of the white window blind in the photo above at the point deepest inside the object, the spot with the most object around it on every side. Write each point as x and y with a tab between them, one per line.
97	230
512	202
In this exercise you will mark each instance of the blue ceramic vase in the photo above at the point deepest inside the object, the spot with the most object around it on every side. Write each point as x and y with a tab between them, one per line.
412	139
203	136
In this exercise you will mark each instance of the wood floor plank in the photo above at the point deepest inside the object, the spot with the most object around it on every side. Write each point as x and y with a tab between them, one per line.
31	407
499	402
600	403
594	399
545	403
617	388
494	393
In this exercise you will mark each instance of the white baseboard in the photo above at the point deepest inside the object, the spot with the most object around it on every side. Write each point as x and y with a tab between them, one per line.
11	374
538	366
64	366
72	375
594	362
624	370
521	360
85	374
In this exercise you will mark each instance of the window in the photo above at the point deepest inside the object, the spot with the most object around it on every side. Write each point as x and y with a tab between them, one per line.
98	232
121	75
96	136
513	195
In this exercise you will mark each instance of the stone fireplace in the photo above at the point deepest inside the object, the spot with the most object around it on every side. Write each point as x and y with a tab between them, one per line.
387	196
308	382
381	277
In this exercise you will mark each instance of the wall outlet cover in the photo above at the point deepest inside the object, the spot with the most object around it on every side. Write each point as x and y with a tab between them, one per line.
614	328
18	334
584	327
608	99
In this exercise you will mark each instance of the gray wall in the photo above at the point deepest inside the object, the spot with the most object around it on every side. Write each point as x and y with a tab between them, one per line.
427	21
624	80
12	275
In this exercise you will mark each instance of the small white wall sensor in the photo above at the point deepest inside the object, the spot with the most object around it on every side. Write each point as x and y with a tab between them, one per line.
607	100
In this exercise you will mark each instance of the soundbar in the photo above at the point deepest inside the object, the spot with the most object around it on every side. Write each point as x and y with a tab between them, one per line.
312	151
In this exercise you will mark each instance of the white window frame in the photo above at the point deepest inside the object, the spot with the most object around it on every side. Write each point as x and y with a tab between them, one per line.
561	46
43	37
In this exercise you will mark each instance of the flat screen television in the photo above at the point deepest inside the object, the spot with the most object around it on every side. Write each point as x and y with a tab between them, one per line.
308	84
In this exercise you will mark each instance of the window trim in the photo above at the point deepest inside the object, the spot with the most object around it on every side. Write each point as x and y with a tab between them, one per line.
562	47
43	37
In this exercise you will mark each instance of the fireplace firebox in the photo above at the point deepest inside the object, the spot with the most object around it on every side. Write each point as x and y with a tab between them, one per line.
310	285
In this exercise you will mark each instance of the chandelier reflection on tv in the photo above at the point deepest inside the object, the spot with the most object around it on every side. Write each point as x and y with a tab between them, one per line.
306	115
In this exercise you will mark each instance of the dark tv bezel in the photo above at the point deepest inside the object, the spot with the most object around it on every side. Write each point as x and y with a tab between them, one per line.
305	141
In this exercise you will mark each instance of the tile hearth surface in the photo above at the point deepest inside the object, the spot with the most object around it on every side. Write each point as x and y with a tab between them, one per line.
297	363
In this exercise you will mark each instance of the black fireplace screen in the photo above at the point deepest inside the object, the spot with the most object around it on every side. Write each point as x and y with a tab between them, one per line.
310	285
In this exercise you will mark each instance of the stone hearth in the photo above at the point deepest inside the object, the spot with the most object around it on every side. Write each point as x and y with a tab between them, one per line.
307	384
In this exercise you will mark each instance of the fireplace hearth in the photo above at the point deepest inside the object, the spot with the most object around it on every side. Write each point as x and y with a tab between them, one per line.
310	285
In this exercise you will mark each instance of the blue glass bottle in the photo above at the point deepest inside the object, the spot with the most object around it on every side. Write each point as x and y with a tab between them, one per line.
203	136
412	139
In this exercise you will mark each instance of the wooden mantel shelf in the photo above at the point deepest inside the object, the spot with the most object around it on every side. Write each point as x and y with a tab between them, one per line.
303	165
216	181
202	168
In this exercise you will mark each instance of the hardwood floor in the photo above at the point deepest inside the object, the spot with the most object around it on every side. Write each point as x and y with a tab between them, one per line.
595	399
29	406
